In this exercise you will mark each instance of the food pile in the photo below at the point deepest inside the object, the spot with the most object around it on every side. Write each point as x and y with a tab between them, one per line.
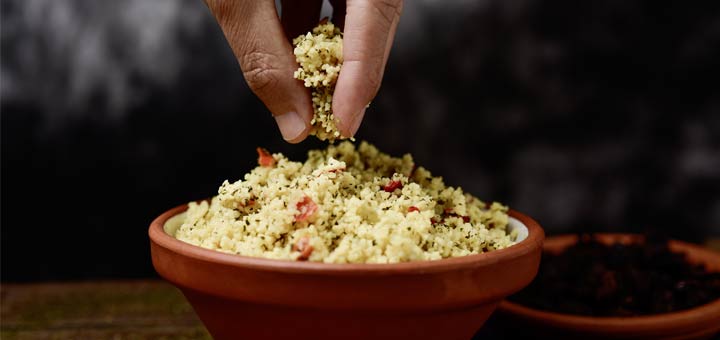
345	205
591	278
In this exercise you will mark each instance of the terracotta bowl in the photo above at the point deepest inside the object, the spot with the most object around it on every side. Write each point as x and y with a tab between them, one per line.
239	297
697	323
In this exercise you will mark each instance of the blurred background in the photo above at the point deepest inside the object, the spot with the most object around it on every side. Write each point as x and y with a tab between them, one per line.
588	116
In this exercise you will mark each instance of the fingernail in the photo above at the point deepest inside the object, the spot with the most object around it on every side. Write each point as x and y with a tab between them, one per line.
357	119
291	125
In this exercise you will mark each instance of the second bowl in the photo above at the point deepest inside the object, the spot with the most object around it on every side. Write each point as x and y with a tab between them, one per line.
702	322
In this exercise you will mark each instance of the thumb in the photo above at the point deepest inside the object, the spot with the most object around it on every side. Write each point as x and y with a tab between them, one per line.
369	29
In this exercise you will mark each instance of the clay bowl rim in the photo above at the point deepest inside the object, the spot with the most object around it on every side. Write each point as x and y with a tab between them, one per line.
533	241
617	324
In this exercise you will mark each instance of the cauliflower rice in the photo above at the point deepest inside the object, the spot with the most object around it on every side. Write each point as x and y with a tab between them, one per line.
319	54
345	205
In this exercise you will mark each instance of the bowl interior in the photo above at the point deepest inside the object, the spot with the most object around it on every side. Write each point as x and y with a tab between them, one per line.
522	230
173	223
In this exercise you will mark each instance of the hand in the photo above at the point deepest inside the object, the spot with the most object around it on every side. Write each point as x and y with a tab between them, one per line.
261	43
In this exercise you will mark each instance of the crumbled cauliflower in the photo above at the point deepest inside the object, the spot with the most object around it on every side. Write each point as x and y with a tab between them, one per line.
345	205
319	54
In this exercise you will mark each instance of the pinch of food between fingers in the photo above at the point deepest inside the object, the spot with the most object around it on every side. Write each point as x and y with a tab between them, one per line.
319	54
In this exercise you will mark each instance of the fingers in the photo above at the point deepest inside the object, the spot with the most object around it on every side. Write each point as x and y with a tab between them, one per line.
369	27
299	16
255	35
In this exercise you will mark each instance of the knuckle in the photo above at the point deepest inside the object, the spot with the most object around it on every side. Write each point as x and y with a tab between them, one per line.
374	78
259	72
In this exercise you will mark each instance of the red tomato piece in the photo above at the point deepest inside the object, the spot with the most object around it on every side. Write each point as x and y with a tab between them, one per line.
413	208
306	209
392	185
265	158
304	247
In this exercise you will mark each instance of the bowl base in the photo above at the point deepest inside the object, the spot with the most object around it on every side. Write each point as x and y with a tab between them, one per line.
232	319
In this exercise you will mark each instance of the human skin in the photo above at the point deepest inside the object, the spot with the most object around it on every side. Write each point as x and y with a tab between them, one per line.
260	41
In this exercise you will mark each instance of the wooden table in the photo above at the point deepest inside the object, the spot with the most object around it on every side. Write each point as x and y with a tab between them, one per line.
97	310
147	309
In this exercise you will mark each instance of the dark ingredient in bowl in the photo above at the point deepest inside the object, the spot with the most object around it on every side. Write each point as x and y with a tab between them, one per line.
591	278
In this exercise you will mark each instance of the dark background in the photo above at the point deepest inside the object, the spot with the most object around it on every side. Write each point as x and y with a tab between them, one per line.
586	115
